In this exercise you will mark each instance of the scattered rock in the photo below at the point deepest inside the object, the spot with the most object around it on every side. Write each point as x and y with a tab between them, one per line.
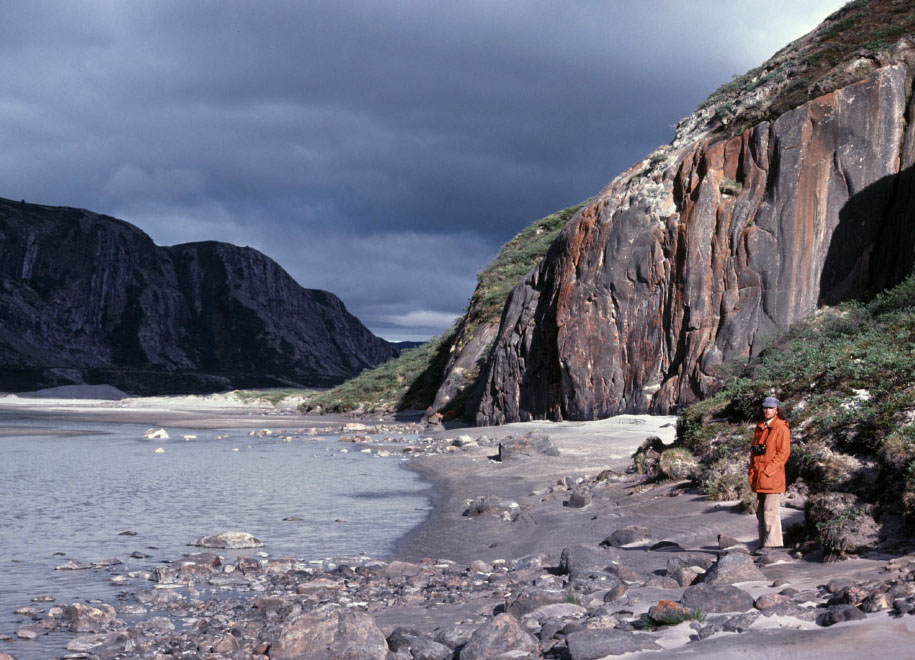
105	645
578	499
227	540
493	505
594	644
840	614
716	598
418	645
769	601
627	536
582	561
617	593
73	565
28	633
156	434
684	573
514	447
733	567
725	541
79	617
501	637
331	635
666	546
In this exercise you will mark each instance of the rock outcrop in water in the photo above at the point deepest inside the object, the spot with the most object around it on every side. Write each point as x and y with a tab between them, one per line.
714	243
89	298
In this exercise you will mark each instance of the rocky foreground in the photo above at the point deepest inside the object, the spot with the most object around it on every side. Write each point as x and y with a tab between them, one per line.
537	554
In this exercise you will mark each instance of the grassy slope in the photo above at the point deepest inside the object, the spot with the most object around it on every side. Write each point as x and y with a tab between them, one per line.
412	379
843	49
847	377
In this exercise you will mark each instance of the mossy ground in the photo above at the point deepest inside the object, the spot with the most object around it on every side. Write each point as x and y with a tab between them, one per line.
847	380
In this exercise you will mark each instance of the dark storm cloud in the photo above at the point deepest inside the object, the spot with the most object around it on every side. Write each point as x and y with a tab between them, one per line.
380	150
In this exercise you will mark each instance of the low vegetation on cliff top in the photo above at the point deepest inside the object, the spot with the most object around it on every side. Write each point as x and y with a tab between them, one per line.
847	46
411	380
847	380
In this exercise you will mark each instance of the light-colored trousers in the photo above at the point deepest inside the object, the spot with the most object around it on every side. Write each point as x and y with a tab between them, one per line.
769	516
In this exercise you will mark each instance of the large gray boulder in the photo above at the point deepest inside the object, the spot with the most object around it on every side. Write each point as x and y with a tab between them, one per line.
716	598
594	644
579	561
502	637
330	635
733	567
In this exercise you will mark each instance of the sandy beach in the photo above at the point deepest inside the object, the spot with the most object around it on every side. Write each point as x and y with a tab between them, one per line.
544	524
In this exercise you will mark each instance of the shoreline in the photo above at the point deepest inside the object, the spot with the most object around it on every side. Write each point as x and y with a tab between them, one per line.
490	558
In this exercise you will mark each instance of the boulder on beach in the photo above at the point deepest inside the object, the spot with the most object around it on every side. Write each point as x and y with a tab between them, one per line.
156	434
228	540
629	535
493	505
513	447
502	636
733	567
717	598
331	635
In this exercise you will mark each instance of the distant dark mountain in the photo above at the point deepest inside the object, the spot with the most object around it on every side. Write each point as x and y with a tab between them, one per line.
404	345
89	298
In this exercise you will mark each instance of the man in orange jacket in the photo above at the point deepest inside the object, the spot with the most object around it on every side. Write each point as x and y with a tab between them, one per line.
768	455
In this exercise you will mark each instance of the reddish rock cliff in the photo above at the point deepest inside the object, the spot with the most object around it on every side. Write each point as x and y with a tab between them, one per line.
701	252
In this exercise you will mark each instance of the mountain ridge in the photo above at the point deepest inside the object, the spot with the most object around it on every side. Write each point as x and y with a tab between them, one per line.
89	298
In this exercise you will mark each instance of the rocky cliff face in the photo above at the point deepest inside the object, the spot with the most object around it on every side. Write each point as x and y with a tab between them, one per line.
708	247
88	298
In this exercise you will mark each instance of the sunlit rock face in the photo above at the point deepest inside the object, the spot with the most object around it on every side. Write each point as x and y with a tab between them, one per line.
88	298
701	253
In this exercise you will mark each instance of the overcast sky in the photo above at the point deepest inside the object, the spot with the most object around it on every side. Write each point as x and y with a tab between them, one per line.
381	150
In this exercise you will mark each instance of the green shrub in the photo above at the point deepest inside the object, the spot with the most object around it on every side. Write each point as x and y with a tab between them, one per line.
847	377
678	463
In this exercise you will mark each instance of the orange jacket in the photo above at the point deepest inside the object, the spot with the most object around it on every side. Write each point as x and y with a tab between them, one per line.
767	471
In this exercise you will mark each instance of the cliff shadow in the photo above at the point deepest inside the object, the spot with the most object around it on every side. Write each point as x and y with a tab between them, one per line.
873	245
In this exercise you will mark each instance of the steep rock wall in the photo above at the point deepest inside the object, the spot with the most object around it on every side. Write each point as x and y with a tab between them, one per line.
683	263
85	297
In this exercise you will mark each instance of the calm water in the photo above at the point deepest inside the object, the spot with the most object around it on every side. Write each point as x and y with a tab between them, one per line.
76	494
